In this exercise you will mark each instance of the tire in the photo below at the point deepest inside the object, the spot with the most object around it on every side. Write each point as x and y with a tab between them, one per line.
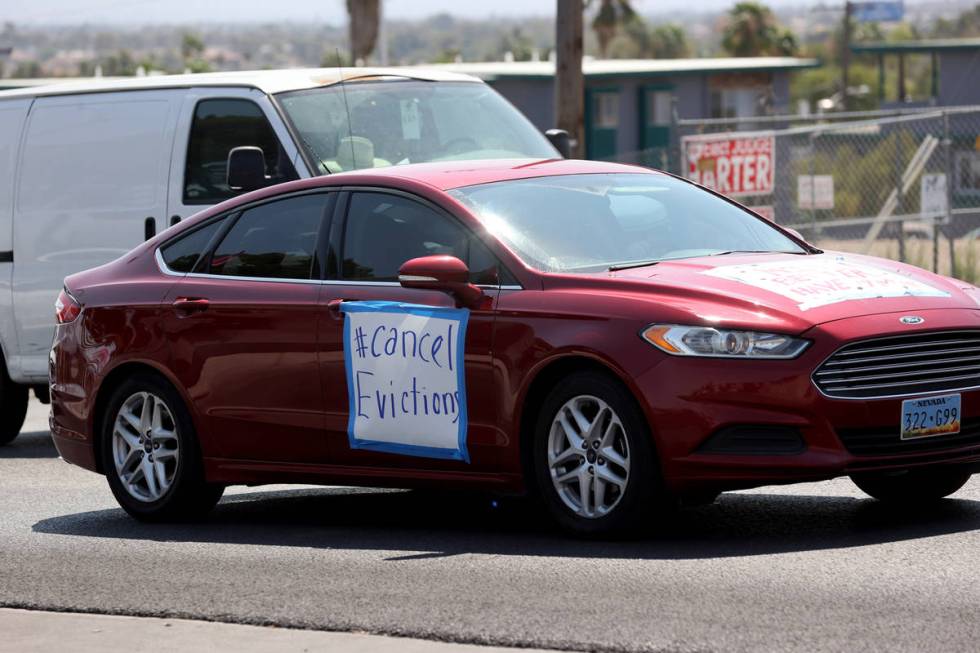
616	509
13	407
175	488
912	486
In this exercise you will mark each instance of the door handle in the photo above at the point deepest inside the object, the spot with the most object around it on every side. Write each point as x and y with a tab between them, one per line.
189	305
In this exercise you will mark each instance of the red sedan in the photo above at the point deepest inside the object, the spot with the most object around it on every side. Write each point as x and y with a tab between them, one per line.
616	340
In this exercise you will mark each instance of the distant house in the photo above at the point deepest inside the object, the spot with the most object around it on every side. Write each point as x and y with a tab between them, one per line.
629	101
955	69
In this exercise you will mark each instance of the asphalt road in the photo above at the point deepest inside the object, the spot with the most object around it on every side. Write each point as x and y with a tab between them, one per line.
811	567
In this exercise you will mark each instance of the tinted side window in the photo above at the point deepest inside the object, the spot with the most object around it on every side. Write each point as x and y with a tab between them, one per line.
218	127
181	255
272	241
383	231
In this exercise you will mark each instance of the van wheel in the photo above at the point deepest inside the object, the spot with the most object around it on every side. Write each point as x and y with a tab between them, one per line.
151	455
13	407
594	461
912	486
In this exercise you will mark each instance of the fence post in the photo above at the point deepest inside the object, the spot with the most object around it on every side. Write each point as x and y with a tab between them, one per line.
813	187
950	233
674	157
899	195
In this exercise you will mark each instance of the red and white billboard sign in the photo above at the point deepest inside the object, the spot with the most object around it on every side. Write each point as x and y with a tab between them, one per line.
740	165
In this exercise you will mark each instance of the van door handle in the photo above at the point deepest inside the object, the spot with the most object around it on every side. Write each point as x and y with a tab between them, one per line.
189	305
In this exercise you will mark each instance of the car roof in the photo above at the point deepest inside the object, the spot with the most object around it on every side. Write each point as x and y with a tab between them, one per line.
267	81
447	175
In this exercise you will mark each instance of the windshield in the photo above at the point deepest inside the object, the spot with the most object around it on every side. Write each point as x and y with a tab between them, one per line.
588	223
407	121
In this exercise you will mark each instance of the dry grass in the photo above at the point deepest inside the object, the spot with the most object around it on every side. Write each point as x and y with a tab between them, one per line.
919	252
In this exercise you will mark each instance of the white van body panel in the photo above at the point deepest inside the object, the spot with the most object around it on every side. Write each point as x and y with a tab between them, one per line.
176	208
92	169
12	117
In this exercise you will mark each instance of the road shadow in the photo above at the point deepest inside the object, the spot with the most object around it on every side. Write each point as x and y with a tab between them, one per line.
37	444
438	524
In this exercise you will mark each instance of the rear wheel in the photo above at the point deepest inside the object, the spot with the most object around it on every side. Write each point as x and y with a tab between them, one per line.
593	458
150	453
912	486
13	407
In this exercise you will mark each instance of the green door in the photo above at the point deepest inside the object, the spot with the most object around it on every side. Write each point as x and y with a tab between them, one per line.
655	104
601	122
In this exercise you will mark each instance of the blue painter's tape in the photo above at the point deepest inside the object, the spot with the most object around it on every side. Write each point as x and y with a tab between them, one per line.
461	316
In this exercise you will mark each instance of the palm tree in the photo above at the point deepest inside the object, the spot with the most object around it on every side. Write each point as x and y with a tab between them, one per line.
611	15
365	21
752	31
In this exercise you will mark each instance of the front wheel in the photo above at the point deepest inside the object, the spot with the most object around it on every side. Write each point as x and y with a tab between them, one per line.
594	461
912	486
151	456
13	407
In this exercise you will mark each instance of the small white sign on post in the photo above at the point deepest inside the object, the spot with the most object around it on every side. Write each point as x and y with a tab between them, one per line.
933	195
815	191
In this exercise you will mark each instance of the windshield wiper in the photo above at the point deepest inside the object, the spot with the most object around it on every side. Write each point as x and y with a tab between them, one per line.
753	251
634	264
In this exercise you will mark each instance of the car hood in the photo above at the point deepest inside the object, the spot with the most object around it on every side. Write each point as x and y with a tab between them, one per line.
789	293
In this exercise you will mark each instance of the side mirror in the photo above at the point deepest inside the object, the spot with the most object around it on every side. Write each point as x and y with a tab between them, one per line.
444	273
246	168
561	140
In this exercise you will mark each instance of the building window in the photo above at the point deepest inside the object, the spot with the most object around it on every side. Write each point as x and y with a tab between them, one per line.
737	102
658	108
606	110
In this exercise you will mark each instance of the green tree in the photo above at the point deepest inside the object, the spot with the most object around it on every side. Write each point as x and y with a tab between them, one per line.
517	43
192	51
191	46
752	31
609	18
669	41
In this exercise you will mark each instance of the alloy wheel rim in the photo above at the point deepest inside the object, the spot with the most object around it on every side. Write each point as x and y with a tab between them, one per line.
588	456
145	446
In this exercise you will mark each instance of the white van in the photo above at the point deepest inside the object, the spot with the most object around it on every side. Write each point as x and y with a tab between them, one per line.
89	170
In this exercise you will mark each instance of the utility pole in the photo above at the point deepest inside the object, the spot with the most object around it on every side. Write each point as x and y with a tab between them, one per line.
569	80
845	55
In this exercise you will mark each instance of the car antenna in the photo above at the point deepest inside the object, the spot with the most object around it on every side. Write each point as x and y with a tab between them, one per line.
350	128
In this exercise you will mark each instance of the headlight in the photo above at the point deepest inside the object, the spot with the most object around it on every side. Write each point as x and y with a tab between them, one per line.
721	343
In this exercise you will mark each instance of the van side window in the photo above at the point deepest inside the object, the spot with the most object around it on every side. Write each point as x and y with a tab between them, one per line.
219	126
383	231
273	241
180	255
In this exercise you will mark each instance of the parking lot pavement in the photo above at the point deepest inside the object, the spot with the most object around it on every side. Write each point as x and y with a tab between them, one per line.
29	631
802	568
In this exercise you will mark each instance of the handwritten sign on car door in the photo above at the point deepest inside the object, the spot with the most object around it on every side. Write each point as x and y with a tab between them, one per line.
405	378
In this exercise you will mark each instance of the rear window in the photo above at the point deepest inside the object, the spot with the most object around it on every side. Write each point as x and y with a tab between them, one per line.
182	254
272	241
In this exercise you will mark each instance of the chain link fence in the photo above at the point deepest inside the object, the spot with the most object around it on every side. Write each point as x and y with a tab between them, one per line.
903	185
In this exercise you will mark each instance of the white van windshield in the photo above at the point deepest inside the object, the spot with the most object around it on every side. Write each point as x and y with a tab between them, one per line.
409	121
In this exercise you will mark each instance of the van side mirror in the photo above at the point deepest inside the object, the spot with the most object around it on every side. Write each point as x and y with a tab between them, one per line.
246	168
445	273
561	140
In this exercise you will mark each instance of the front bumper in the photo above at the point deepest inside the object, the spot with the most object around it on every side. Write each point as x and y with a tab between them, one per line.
689	399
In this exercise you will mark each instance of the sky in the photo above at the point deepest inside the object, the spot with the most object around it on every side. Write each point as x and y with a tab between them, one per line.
323	11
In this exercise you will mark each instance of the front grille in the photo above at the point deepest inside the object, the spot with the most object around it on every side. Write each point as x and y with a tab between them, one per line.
885	441
902	365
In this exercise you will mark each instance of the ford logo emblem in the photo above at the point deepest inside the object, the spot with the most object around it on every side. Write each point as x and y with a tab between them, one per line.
912	319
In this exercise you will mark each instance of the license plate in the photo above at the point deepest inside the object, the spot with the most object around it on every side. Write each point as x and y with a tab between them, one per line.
930	416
